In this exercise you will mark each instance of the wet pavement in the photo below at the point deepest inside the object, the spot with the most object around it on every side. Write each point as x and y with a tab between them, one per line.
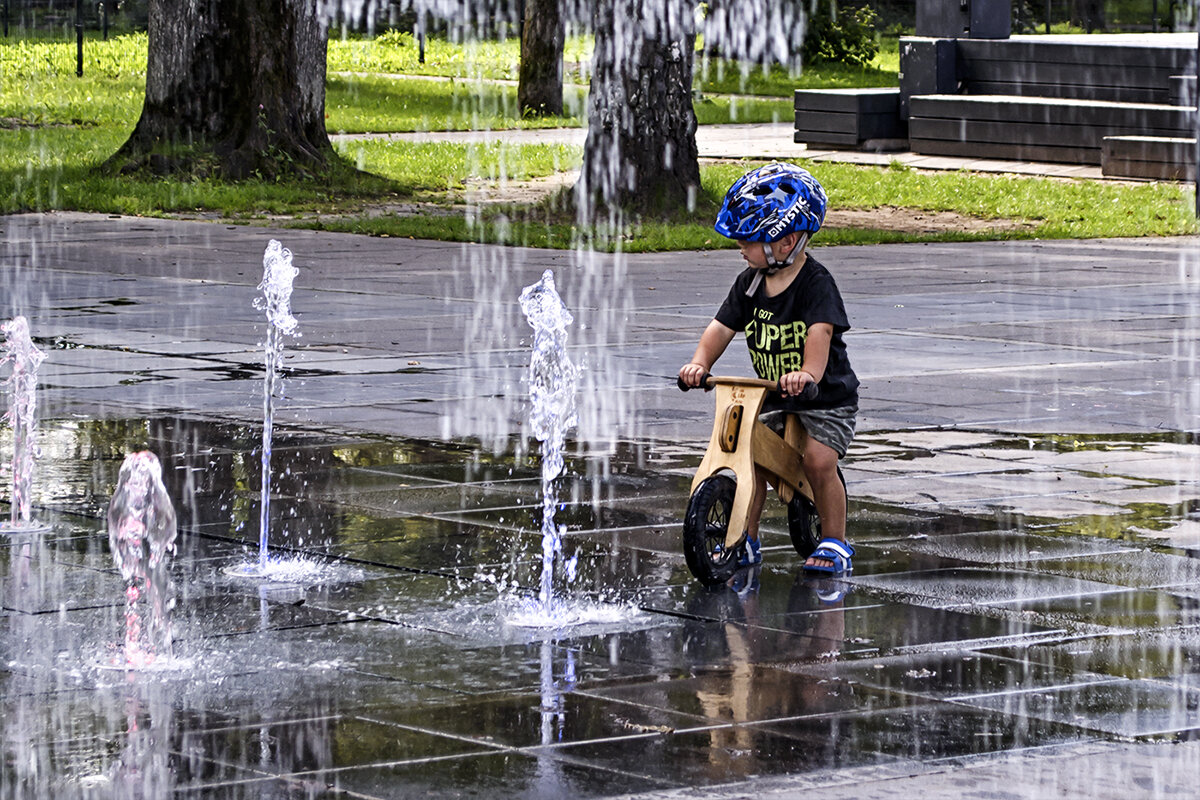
1023	621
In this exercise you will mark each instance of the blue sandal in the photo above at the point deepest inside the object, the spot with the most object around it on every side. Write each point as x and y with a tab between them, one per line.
834	550
751	553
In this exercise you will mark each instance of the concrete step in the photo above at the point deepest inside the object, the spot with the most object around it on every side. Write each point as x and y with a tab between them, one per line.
1035	128
1155	157
859	118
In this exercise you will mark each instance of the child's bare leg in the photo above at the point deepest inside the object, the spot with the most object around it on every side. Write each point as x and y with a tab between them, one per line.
820	467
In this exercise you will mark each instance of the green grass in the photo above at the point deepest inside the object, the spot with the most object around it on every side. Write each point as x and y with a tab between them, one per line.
32	164
396	53
1062	208
360	104
1053	208
56	128
521	228
38	85
721	75
389	105
39	57
717	109
734	78
55	183
1059	208
408	164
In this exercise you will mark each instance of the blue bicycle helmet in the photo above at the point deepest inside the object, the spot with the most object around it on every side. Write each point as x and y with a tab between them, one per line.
768	203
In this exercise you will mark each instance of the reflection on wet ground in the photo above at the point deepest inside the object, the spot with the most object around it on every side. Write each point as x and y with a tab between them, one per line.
963	632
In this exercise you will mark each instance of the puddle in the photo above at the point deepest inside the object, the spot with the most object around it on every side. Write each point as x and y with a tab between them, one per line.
401	641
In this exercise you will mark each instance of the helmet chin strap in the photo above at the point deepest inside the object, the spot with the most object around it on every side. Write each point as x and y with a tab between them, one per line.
774	266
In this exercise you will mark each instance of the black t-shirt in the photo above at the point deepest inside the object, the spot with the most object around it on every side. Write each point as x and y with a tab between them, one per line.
777	327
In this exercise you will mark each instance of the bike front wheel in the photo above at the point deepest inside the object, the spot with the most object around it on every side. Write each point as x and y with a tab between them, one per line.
704	529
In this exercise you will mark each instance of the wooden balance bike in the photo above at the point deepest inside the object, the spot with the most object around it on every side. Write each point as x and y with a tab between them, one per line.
714	527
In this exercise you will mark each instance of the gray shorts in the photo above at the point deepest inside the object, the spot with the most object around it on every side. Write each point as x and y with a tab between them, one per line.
833	427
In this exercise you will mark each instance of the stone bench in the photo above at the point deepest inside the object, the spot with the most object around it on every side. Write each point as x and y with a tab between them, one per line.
1127	68
1155	157
855	118
1061	130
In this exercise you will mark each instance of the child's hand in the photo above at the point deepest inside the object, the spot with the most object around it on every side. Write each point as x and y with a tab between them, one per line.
691	373
792	384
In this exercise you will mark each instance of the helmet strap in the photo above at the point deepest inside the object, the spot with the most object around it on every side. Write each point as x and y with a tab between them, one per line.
774	266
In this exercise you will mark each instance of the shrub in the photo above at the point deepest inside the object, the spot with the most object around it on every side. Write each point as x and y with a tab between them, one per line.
843	35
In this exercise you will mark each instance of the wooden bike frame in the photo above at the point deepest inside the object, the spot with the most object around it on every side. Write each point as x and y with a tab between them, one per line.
740	443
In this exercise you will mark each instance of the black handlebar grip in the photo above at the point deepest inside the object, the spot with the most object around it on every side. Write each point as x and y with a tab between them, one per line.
683	387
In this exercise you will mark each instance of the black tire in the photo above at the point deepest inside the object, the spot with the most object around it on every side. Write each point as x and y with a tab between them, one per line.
804	525
704	529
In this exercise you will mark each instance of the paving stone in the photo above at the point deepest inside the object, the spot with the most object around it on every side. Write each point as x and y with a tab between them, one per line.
1013	396
1122	708
971	586
1012	547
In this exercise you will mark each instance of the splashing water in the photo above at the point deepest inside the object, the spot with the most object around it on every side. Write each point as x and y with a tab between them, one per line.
297	570
276	287
25	357
606	615
553	379
141	534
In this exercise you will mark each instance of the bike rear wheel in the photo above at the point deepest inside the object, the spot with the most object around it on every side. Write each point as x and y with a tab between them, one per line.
804	524
704	528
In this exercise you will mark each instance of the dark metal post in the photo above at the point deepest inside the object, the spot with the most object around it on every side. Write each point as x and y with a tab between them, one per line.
1047	16
421	37
104	12
79	38
5	19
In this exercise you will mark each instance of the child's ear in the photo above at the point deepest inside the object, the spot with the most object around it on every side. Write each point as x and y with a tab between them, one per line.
788	243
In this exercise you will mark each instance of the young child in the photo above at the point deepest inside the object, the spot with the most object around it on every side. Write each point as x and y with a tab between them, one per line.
791	312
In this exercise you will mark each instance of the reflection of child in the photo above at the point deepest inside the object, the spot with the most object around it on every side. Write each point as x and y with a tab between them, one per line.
792	314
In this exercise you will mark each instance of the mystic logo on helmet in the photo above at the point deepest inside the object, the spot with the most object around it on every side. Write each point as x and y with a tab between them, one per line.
784	225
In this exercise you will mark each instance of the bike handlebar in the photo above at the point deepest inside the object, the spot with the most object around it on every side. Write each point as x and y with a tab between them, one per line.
707	381
683	387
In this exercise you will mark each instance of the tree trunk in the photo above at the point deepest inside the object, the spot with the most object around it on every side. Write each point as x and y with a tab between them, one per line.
236	84
540	79
640	151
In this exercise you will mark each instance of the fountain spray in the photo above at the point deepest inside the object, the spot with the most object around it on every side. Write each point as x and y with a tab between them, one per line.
553	379
276	287
25	357
141	535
